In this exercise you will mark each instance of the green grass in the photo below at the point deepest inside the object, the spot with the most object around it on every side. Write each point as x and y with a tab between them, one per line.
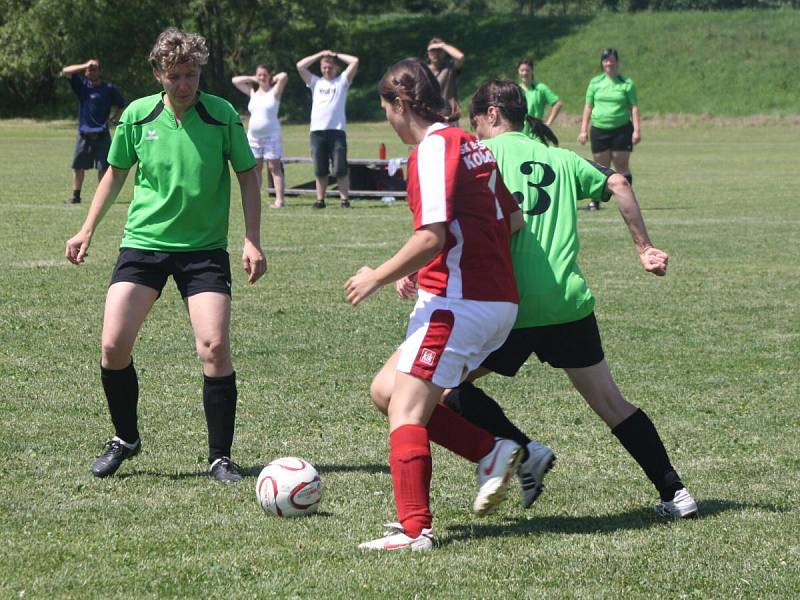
710	352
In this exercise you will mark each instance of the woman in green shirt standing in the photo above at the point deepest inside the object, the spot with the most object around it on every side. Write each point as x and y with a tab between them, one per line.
613	107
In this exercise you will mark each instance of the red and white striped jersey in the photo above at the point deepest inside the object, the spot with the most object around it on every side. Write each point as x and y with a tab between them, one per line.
453	179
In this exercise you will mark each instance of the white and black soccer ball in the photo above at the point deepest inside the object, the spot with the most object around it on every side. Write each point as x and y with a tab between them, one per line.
289	487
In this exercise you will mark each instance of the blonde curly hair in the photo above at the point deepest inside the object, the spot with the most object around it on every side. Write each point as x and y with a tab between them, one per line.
174	47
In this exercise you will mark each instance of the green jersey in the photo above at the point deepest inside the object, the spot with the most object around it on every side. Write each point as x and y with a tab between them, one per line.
611	100
181	195
538	97
547	183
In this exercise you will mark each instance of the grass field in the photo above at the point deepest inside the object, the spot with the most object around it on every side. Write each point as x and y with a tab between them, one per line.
711	352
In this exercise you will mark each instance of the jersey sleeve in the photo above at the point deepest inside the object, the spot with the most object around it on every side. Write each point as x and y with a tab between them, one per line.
632	96
549	95
117	99
436	174
590	93
312	82
122	153
591	178
239	153
77	84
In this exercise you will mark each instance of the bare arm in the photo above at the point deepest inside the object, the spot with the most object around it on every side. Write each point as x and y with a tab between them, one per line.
107	191
637	135
456	54
554	110
352	65
653	260
424	244
584	134
72	69
279	83
244	83
304	63
253	261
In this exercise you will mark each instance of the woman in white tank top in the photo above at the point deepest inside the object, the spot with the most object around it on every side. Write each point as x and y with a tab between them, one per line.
264	128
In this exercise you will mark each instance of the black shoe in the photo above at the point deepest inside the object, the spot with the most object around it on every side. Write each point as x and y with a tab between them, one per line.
593	206
318	204
72	200
345	203
113	454
225	470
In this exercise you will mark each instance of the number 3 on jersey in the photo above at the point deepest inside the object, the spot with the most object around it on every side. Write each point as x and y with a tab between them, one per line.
543	198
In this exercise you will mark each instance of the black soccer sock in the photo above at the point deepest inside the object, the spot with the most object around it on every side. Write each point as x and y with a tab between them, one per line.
629	177
219	404
478	408
640	438
76	194
122	394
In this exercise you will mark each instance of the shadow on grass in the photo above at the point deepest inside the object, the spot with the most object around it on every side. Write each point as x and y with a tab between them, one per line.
643	518
254	470
352	468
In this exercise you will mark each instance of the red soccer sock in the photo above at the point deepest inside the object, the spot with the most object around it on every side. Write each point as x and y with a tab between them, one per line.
411	465
452	431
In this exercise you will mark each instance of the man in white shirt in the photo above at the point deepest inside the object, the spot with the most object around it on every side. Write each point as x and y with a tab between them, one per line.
328	122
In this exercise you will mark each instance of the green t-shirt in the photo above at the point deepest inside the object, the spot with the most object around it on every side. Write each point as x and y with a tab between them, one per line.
538	97
181	195
548	183
611	100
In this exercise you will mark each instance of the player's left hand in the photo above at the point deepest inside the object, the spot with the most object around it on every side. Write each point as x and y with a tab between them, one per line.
253	261
654	261
360	286
636	138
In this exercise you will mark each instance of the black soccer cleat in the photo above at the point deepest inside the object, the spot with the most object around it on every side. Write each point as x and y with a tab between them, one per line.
318	204
113	454
225	470
345	203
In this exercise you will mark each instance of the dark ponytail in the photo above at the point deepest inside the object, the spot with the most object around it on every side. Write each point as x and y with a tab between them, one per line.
412	82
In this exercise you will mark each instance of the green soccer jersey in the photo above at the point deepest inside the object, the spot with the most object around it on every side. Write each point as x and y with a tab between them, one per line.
538	97
181	195
547	183
611	100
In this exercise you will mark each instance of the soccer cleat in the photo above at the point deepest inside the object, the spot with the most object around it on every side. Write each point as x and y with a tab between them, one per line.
72	200
318	204
395	538
593	206
682	506
225	470
494	472
114	452
345	203
531	472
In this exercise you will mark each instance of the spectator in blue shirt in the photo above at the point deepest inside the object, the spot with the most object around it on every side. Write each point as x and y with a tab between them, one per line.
96	100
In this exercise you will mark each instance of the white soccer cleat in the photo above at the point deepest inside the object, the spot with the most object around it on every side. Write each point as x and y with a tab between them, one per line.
532	470
395	538
494	472
682	506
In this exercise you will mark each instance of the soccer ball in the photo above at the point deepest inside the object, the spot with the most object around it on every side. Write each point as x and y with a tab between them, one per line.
289	487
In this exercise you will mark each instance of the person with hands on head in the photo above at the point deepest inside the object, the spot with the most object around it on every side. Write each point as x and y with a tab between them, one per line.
264	128
556	312
446	62
328	120
95	101
182	141
613	107
463	217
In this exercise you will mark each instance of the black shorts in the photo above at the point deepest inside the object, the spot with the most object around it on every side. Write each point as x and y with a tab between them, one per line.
193	272
574	345
91	151
329	145
618	139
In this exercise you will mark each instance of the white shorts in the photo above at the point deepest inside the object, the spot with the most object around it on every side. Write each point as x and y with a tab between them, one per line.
269	147
447	338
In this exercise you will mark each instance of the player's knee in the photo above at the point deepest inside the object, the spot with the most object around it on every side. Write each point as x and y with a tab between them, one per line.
380	395
213	351
114	354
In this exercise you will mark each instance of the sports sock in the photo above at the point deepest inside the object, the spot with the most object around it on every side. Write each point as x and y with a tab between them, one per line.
122	394
76	194
629	177
219	404
640	438
480	409
452	431
411	466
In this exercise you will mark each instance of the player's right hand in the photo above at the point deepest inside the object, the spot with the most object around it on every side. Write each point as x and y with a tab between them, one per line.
406	287
654	261
78	248
582	137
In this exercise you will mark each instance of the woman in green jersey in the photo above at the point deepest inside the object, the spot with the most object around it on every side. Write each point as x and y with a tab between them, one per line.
182	142
613	107
556	312
537	95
